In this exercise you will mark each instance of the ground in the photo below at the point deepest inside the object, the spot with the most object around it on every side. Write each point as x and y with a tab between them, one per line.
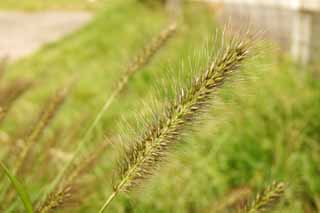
23	33
36	5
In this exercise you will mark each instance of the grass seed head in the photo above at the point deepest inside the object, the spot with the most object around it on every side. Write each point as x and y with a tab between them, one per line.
143	157
267	199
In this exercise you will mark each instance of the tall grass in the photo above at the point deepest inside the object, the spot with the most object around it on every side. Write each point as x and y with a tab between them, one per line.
267	126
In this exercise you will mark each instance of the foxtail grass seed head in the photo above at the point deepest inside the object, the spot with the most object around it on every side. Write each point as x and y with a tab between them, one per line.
147	53
143	157
13	90
59	198
267	199
46	116
11	93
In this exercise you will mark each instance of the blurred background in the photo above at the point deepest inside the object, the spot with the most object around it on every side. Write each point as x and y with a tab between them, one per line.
264	126
294	24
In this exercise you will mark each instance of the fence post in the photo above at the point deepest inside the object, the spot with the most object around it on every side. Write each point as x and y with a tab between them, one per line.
301	36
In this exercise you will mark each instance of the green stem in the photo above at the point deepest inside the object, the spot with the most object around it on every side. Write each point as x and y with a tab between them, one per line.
106	204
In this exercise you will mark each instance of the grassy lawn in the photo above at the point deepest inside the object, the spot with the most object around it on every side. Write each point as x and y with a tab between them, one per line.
37	5
264	127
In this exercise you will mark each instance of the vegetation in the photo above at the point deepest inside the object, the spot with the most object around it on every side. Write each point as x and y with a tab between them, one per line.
264	123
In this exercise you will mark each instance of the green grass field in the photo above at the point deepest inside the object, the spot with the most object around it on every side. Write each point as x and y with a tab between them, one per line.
265	125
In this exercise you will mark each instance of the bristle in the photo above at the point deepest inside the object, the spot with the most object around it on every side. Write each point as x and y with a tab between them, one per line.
267	199
141	159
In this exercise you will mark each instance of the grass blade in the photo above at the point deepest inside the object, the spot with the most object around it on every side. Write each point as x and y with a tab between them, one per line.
20	189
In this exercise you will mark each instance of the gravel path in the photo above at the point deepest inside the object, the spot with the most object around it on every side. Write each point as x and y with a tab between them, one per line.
23	33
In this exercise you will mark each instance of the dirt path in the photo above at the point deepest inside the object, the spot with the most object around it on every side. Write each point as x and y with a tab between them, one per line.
22	33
